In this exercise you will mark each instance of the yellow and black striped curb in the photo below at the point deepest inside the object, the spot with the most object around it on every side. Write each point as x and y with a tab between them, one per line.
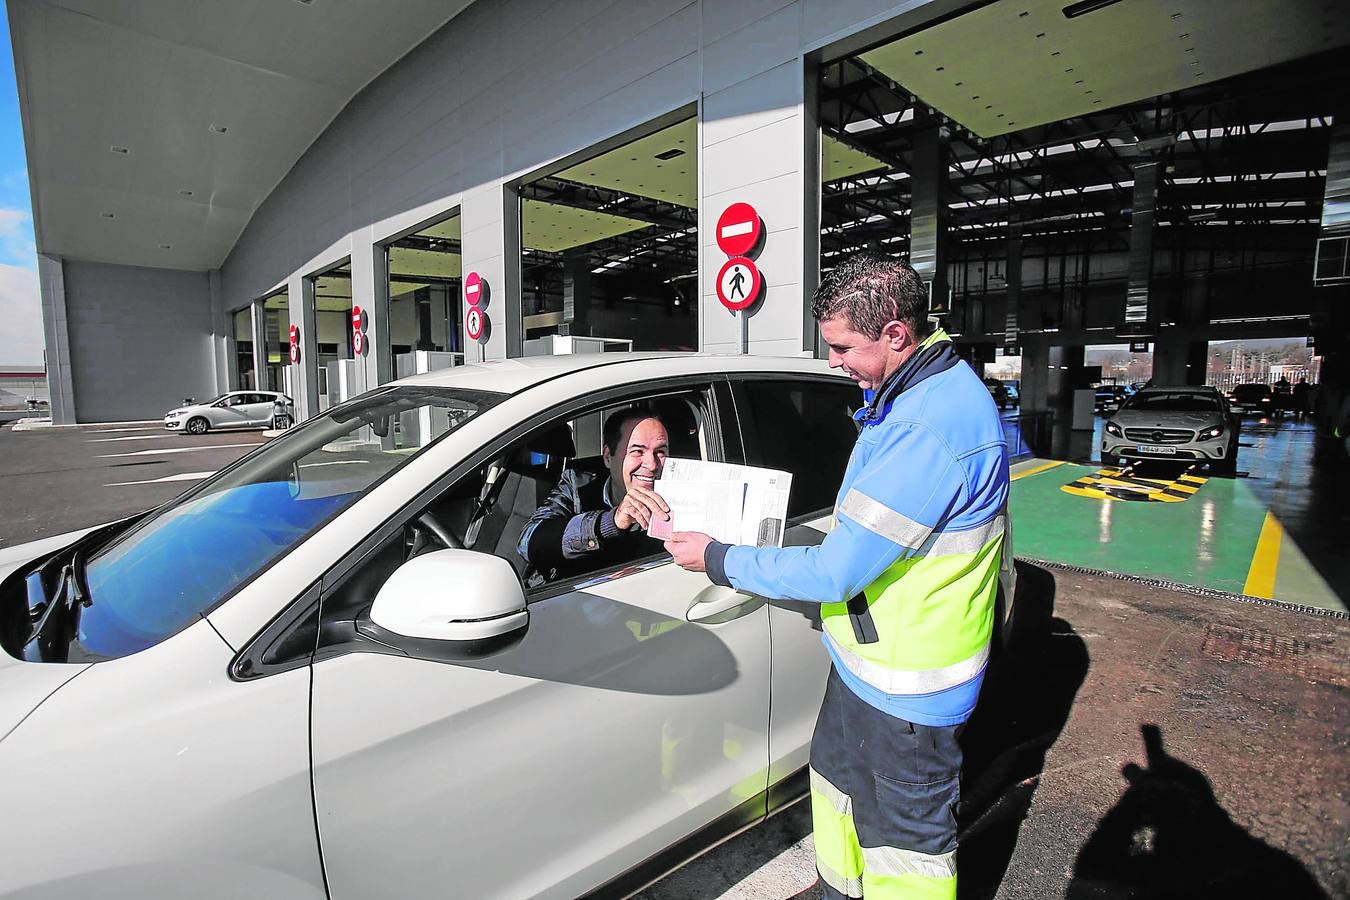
1122	484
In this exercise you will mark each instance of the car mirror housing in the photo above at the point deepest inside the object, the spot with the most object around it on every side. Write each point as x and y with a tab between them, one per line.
459	596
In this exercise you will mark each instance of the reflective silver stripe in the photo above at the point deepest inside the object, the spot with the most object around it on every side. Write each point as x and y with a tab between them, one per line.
900	681
894	861
879	517
849	887
972	540
841	802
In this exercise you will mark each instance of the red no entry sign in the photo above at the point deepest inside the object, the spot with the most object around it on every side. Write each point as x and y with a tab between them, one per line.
738	229
295	344
739	283
476	323
358	329
475	290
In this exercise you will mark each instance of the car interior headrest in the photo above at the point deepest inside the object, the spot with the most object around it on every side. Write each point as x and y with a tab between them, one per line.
551	445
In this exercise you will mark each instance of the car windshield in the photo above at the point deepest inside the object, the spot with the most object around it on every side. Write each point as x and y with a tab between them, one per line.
1172	403
1251	390
185	558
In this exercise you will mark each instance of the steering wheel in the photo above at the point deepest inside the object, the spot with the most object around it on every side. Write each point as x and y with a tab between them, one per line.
439	531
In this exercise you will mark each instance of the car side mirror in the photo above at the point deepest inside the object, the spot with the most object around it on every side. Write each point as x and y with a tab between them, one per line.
450	603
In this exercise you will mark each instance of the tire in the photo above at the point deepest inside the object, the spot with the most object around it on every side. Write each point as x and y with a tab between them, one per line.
198	425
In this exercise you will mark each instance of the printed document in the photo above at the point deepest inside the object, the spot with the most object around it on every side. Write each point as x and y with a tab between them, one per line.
733	504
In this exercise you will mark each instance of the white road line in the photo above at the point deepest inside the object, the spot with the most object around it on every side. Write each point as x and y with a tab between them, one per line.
173	450
181	476
134	437
140	428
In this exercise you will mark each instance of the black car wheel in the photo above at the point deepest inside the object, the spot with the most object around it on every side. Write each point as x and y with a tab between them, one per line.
197	425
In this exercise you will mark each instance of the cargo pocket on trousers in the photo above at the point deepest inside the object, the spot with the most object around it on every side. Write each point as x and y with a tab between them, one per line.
918	817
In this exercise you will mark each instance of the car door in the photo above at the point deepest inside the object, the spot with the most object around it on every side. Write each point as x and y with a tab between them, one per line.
802	425
614	729
230	411
258	409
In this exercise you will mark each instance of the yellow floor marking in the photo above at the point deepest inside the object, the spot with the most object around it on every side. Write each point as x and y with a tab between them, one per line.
1036	470
1265	560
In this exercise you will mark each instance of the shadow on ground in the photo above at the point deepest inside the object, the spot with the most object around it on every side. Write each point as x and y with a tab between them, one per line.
1023	707
1168	837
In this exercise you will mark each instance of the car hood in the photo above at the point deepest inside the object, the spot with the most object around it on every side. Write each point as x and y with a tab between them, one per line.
1156	419
24	686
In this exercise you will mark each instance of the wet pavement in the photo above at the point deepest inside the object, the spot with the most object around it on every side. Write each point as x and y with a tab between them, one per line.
1138	742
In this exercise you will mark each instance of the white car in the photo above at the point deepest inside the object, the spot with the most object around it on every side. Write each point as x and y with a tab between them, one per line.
318	674
1186	424
233	411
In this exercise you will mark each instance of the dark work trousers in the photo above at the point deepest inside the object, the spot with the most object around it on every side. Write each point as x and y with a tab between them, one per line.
883	801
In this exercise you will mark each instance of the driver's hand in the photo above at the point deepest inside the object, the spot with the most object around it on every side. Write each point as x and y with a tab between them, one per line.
639	506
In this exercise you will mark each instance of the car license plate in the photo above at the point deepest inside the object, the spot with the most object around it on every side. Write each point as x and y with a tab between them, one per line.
1149	448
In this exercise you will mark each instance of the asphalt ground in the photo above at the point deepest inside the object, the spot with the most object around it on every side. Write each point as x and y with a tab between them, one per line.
57	480
1137	742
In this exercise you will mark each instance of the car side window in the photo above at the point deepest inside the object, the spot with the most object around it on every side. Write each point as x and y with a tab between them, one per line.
802	426
551	475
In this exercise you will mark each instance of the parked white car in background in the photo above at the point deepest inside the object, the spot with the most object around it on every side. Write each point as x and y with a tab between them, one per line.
320	673
233	411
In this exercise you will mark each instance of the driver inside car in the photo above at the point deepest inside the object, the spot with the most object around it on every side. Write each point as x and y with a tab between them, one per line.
598	513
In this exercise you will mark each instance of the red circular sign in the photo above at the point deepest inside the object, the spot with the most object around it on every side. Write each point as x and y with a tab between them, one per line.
475	290
358	316
358	343
739	283
476	323
739	229
295	344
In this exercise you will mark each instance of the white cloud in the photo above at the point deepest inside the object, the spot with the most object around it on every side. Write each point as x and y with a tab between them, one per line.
16	237
20	316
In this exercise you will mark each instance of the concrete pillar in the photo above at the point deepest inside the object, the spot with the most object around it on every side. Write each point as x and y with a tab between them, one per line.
370	291
928	214
490	246
756	131
576	295
60	377
1035	384
300	292
1179	358
258	326
221	355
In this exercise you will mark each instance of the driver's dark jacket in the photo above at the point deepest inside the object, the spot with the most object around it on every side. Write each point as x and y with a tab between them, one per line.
574	532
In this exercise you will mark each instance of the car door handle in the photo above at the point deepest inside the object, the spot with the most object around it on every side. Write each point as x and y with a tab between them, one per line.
717	604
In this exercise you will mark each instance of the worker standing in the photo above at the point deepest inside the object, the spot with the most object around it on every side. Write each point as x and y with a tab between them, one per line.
907	581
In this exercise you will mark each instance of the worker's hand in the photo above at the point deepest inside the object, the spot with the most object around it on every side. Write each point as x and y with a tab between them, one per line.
687	549
639	505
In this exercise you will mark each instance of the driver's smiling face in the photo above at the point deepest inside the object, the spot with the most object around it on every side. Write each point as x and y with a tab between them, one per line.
645	446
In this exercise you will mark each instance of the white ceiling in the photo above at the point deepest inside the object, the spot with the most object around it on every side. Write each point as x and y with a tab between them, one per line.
153	76
1008	66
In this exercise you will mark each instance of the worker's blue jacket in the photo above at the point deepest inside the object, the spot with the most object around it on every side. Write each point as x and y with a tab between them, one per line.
908	575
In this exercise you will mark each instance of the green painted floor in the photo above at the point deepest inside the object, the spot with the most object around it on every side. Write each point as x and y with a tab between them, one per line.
1209	540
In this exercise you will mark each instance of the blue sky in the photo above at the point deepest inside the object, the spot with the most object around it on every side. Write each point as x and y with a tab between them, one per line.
20	307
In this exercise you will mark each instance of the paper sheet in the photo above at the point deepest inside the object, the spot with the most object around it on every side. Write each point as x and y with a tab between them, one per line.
734	504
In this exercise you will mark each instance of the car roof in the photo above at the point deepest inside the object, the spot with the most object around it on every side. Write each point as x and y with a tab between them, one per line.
1180	389
512	376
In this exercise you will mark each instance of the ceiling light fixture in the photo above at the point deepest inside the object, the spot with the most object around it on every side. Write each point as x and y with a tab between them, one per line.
108	215
116	148
166	246
185	193
218	129
670	154
1074	10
